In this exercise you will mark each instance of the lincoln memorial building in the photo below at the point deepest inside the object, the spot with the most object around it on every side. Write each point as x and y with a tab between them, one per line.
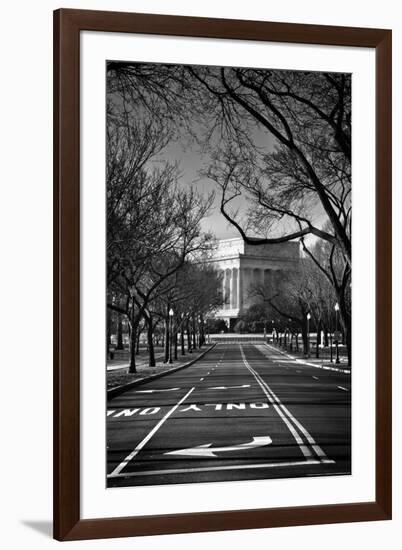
244	266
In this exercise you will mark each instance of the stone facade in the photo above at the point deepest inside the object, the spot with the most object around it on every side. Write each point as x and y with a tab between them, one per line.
243	266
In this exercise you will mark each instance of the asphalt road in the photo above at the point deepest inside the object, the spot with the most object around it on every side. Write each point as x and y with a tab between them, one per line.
242	412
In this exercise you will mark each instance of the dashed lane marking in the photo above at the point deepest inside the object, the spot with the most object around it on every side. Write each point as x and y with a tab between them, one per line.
342	388
154	391
229	387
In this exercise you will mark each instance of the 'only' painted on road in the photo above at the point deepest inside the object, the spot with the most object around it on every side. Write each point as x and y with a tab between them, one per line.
127	413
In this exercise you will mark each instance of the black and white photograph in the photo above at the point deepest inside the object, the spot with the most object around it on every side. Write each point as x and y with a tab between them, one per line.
229	274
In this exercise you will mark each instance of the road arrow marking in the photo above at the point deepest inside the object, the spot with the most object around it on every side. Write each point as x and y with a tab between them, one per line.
153	391
229	387
207	450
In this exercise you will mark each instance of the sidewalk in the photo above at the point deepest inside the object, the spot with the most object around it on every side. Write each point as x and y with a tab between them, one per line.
321	363
119	375
141	361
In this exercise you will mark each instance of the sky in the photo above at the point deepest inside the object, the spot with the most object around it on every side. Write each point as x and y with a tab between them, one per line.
190	163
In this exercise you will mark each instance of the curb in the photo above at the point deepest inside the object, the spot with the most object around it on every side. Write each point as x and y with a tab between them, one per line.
118	390
336	369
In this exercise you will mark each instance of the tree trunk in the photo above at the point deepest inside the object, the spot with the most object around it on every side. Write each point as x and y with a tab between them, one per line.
150	338
137	343
201	329
119	332
346	321
182	339
318	341
167	340
133	342
348	335
347	329
305	338
194	336
188	338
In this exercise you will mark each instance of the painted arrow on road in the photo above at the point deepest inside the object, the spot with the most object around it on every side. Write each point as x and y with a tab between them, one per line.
207	450
153	391
229	387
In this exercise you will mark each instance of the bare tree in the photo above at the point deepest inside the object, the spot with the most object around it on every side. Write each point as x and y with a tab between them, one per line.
306	117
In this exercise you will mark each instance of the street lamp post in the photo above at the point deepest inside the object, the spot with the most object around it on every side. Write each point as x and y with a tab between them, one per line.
182	335
290	336
170	334
308	334
199	332
337	334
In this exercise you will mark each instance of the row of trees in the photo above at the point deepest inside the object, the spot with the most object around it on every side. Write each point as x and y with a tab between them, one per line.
304	292
156	249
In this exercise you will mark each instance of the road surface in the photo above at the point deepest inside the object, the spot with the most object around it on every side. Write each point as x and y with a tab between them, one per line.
244	411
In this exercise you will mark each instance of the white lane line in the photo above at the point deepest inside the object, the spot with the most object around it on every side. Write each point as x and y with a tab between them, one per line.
229	387
308	462
140	445
304	449
201	379
154	391
315	377
319	452
342	388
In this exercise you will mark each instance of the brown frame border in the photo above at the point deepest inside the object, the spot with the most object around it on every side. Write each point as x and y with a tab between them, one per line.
67	26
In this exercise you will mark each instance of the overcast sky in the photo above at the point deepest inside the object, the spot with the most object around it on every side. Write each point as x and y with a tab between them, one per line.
191	162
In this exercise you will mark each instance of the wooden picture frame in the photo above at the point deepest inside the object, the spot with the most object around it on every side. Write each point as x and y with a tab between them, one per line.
68	524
